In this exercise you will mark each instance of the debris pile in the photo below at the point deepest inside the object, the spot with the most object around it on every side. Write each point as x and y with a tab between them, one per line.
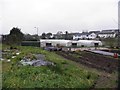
36	62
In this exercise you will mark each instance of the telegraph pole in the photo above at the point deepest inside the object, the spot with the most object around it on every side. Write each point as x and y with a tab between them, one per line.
119	24
38	39
37	32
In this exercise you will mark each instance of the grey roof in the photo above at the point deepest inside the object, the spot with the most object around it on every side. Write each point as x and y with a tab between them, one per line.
112	30
83	33
106	32
109	31
96	32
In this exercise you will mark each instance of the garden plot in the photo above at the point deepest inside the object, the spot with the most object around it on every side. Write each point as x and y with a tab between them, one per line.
92	60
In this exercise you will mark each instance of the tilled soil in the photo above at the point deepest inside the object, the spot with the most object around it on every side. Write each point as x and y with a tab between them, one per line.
93	60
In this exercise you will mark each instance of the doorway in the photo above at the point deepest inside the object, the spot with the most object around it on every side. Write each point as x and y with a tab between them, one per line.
48	44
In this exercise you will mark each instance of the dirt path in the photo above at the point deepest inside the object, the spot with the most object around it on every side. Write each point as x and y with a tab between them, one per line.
106	80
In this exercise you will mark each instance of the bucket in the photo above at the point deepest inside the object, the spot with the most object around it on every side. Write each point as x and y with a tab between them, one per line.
115	55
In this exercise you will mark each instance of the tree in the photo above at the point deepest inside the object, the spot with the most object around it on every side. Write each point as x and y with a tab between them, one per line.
43	36
111	42
59	33
49	35
66	35
15	36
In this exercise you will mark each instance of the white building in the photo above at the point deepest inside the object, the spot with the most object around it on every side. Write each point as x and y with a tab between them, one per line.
92	36
85	35
69	43
107	34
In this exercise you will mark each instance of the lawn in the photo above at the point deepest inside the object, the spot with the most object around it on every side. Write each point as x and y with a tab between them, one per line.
64	74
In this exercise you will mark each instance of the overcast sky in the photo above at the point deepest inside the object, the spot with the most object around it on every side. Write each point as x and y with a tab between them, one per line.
58	15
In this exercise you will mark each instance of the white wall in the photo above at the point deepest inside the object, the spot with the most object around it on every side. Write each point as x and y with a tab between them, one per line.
69	42
92	36
106	35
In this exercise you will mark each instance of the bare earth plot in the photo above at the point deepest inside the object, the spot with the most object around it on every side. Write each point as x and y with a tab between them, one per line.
92	60
105	64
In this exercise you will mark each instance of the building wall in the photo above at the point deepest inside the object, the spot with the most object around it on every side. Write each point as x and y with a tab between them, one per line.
68	43
106	35
76	37
92	36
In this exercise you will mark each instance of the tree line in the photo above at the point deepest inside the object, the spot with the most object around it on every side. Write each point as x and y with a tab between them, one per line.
16	36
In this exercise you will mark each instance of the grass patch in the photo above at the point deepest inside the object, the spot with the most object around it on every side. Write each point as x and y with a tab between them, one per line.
64	74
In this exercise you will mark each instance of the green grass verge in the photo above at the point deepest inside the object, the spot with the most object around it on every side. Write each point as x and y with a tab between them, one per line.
64	74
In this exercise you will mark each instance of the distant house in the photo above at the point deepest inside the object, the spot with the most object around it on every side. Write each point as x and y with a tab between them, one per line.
60	35
93	34
107	33
82	35
76	36
85	35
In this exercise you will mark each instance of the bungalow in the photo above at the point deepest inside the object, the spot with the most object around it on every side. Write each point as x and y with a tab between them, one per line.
85	35
107	33
82	35
95	34
92	36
